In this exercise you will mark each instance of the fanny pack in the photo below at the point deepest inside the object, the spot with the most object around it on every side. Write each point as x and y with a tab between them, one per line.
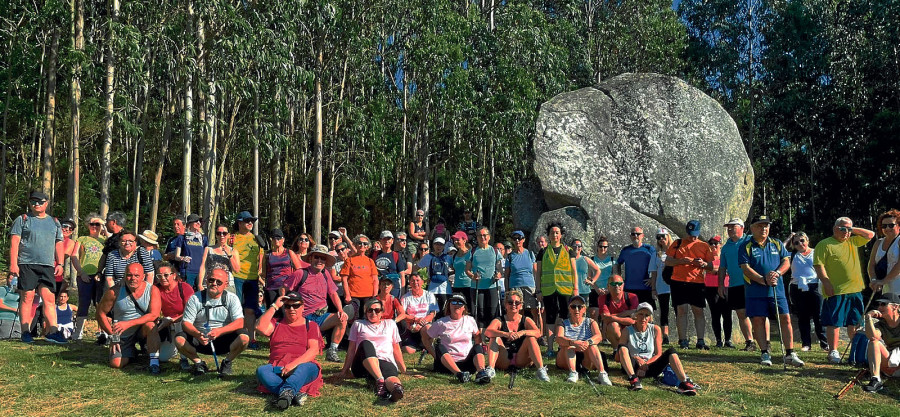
321	312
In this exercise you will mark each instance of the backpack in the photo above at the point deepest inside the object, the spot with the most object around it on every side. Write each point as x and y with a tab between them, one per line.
667	270
627	301
858	347
438	275
881	267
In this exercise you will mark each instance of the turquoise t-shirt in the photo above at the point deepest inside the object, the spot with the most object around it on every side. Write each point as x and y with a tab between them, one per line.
460	279
606	267
581	266
728	259
10	299
485	261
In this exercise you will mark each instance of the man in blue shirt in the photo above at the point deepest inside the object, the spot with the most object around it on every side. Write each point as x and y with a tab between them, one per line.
733	292
636	258
764	260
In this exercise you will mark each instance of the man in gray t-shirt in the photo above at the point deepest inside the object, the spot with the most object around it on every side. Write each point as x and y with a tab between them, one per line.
213	323
36	257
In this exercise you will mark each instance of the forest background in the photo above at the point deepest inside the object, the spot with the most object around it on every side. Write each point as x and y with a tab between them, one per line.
330	113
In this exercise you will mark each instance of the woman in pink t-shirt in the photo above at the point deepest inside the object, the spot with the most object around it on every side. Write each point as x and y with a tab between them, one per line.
374	352
457	353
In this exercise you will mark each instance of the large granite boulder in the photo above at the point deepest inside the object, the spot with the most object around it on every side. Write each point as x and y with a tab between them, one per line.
575	223
642	149
528	205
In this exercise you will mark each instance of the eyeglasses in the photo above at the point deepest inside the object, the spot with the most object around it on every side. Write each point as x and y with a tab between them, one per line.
214	282
845	229
457	303
127	241
514	303
222	233
318	259
293	306
37	202
636	234
161	276
341	249
96	224
888	225
883	304
374	310
576	307
617	283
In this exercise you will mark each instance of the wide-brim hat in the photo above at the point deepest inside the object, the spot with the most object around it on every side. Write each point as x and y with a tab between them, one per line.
150	237
245	216
320	250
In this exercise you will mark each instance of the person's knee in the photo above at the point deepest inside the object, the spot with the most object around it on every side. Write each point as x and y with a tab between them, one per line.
243	339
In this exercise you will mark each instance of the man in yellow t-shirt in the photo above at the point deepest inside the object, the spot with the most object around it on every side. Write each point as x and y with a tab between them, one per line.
247	278
836	261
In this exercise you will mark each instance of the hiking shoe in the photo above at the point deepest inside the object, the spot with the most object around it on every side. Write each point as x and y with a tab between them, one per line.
719	344
684	344
381	390
805	348
824	345
397	393
57	337
285	398
693	384
573	377
491	373
225	368
482	377
729	345
635	384
541	374
834	356
154	369
665	339
793	360
332	356
603	379
199	368
27	338
253	345
300	398
686	388
463	377
765	359
551	354
701	345
185	364
874	385
749	346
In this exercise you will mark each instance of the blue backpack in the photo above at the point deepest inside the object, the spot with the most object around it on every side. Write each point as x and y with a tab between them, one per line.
858	347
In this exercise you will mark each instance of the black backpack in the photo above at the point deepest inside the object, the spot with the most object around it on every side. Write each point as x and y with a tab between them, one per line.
667	270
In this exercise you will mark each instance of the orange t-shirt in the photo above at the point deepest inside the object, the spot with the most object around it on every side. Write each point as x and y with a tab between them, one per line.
362	276
693	250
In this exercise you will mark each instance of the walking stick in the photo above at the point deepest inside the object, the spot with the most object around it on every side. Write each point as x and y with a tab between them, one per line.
853	381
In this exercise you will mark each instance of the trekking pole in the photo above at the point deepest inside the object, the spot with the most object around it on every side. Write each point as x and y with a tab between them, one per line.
780	333
587	376
475	298
212	346
850	384
513	372
868	304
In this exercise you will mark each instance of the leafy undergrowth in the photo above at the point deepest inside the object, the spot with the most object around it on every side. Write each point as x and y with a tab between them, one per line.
44	379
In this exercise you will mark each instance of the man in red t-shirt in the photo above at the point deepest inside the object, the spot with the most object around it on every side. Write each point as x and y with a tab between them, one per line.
690	259
173	295
616	309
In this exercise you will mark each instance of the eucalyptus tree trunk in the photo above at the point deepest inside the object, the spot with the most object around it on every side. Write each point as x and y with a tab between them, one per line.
4	143
317	150
337	124
49	132
188	131
163	154
256	161
110	99
141	140
74	188
209	183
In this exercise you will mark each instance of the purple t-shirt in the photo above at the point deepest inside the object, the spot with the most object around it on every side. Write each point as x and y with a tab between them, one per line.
314	290
279	270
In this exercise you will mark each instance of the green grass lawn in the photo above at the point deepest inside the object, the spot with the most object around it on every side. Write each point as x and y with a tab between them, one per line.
45	379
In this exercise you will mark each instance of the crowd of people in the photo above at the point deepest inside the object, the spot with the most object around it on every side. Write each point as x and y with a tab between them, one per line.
473	303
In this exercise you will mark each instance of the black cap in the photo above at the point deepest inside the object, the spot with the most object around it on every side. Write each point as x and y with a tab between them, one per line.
192	218
276	234
889	297
68	221
293	296
38	195
761	219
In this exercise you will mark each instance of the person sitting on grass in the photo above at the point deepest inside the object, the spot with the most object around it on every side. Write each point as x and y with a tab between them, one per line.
65	313
213	324
514	339
174	295
419	307
135	306
315	285
457	353
578	337
883	331
10	328
294	342
641	354
374	352
616	309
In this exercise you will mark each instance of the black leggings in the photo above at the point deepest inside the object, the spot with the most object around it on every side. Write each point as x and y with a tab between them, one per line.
442	301
807	305
488	306
656	367
465	365
365	350
664	308
718	310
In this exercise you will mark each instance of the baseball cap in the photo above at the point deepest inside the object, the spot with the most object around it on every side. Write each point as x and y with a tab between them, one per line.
517	234
439	241
276	234
576	298
460	235
334	233
386	234
761	219
735	221
191	218
38	195
889	297
293	296
693	228
644	306
662	231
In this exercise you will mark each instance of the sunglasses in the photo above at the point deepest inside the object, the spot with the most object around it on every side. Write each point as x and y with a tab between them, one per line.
161	276
636	234
319	259
423	249
37	202
603	246
293	306
617	283
517	238
374	310
514	303
576	307
363	244
457	303
888	225
214	282
484	235
577	246
222	233
96	224
845	229
799	241
303	239
883	304
67	228
660	237
334	238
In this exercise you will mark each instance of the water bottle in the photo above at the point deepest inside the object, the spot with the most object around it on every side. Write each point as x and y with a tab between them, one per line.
13	282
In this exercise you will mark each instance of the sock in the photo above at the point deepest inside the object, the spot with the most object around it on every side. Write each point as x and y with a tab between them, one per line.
154	358
788	351
878	378
333	346
764	351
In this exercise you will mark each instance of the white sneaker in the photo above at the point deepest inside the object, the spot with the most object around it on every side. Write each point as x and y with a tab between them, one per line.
603	379
541	374
573	377
490	372
765	359
834	356
793	360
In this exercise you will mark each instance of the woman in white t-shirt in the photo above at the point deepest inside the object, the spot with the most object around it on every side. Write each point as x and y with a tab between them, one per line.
804	291
457	352
374	352
419	308
883	262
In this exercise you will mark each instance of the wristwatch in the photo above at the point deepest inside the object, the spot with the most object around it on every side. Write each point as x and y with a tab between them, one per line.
590	342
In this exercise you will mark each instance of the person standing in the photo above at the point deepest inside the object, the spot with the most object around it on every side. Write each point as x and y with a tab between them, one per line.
36	257
437	263
417	232
837	264
804	293
175	243
689	258
718	307
634	265
391	263
733	292
661	289
883	261
483	267
191	251
557	280
521	268
248	277
359	276
90	289
316	287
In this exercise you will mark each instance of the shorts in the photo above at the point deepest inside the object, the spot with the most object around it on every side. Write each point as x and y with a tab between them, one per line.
656	367
317	319
529	301
221	343
594	299
168	334
33	276
688	293
765	306
557	307
128	345
842	310
248	291
735	298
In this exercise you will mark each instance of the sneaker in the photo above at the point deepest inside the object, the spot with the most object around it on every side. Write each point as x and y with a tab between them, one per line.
805	348
603	379
729	345
253	345
793	360
765	359
57	337
482	377
101	339
299	399
749	346
874	385
665	339
686	388
635	384
693	384
154	369
225	368
285	398
27	338
684	344
824	345
573	377
199	368
490	372
463	377
541	374
551	354
834	356
397	393
381	390
332	356
185	364
719	344
701	345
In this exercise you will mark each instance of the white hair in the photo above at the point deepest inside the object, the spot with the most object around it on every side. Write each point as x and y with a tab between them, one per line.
842	220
